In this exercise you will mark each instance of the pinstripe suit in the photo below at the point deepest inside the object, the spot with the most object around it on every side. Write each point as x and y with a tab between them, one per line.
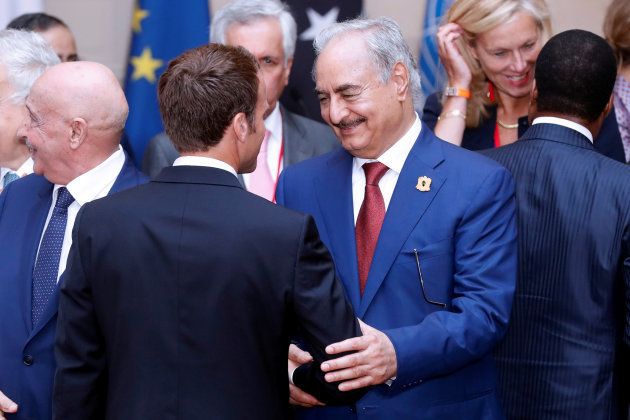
563	354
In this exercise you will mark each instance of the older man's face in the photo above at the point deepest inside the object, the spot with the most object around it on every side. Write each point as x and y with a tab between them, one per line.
263	38
46	133
365	113
12	114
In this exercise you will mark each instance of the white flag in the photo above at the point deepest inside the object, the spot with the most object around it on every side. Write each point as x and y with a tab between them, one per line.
10	9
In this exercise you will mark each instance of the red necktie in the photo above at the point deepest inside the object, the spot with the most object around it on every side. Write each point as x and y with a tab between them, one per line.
370	219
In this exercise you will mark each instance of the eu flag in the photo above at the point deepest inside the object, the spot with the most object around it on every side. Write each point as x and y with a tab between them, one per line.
161	30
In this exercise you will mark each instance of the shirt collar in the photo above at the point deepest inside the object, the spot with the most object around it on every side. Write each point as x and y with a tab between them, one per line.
26	168
92	184
204	161
394	157
565	123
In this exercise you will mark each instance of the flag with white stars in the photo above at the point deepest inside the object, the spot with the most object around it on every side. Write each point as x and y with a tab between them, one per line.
161	30
312	16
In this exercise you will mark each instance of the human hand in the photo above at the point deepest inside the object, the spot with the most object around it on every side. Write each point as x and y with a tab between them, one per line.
298	357
458	72
6	406
373	363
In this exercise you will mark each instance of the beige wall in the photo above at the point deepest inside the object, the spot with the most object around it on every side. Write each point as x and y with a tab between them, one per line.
102	26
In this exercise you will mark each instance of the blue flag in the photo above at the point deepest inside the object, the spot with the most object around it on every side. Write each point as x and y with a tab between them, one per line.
431	71
161	30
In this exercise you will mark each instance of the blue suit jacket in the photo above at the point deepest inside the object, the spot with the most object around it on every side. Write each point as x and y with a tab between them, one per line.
563	356
464	230
27	362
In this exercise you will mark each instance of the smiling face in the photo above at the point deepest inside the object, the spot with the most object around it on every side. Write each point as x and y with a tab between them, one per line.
12	114
47	135
366	114
263	38
508	53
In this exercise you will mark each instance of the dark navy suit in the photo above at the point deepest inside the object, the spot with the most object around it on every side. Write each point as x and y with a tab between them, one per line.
27	362
608	142
563	355
465	233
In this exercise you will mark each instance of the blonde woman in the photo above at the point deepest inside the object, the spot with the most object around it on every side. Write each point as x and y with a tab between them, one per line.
489	50
617	31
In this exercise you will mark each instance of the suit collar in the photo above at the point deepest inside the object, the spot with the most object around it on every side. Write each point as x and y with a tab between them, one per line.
558	134
197	175
294	149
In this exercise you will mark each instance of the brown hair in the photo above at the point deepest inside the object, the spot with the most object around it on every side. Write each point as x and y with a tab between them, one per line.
201	92
617	30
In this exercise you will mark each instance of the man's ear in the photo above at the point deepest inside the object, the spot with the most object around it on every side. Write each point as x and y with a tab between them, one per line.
609	105
400	77
78	132
240	126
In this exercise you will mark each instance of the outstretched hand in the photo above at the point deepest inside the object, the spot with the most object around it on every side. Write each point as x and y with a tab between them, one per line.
298	357
6	406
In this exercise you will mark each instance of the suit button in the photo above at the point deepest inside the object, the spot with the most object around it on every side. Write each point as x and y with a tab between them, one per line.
28	360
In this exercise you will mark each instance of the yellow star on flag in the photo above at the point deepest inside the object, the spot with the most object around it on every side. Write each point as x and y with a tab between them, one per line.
136	19
145	66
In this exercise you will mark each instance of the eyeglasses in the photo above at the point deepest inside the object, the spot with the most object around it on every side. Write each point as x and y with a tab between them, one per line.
424	293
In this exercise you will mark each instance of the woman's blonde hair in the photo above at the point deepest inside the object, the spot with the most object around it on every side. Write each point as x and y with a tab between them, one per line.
617	30
479	16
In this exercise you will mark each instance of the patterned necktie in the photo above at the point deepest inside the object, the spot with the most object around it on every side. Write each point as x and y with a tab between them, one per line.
9	177
47	263
370	219
261	181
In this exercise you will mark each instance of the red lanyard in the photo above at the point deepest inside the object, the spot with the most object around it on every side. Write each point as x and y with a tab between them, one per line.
497	136
279	167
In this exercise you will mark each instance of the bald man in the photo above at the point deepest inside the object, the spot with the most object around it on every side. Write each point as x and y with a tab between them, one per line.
76	114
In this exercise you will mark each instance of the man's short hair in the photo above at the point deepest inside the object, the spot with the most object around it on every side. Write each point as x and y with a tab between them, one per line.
202	91
247	11
386	45
575	75
24	56
38	22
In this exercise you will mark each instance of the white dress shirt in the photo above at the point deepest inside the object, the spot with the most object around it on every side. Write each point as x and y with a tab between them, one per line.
273	123
93	184
25	169
394	158
565	123
203	161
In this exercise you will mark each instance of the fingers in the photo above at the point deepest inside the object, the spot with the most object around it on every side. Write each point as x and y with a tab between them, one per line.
298	355
351	344
6	405
301	398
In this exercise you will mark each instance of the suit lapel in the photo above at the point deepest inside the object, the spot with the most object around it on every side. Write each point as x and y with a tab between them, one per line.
406	208
37	215
296	149
128	177
334	191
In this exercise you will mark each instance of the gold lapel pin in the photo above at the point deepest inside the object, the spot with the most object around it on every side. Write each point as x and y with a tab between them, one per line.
424	184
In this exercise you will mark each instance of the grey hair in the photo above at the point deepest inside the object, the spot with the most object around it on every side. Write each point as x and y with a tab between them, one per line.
386	47
25	55
247	11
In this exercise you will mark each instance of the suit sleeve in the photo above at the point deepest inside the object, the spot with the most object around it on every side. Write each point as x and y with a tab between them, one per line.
323	314
80	379
626	278
485	269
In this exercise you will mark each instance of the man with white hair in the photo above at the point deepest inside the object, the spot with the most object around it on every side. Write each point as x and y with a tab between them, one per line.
75	117
266	29
422	234
23	58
